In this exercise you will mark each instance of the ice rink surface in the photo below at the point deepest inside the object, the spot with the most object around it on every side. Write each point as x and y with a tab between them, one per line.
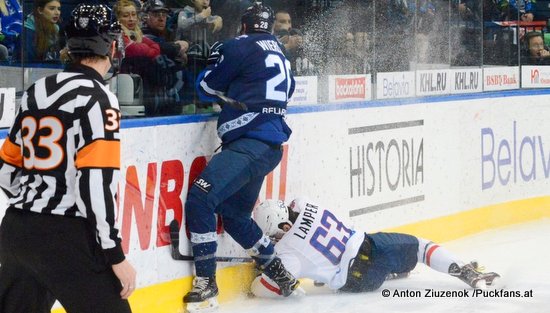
519	253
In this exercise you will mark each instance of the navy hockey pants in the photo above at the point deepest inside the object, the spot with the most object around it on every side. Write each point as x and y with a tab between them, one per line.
389	253
229	186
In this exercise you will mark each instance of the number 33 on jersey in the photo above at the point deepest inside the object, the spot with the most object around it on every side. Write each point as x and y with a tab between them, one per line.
42	139
52	135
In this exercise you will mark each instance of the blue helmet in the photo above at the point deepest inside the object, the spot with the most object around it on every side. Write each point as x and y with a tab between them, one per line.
91	30
258	18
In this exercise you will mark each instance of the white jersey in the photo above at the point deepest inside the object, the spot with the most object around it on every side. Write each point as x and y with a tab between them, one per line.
318	246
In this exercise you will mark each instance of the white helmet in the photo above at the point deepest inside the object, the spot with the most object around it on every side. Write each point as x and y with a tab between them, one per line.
269	214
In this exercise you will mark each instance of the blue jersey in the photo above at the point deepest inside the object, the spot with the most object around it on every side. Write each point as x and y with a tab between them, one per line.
253	70
11	24
518	6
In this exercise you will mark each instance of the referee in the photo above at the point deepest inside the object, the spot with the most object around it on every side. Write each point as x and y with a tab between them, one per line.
59	167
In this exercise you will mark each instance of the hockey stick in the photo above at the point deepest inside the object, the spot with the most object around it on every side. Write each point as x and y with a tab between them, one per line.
176	255
232	102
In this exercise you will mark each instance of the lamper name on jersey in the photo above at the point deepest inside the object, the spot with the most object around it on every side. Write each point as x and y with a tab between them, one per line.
310	213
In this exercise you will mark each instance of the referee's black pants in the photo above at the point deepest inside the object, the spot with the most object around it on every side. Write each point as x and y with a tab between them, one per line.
45	257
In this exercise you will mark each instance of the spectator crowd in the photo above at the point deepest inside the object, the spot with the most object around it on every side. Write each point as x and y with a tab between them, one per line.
167	44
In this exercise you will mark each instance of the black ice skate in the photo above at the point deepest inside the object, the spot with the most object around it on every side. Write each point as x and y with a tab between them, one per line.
203	296
277	272
471	274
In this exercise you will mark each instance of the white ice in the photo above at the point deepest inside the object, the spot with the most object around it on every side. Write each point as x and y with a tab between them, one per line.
519	253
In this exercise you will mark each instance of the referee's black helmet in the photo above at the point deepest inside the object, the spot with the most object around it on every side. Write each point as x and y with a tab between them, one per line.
91	30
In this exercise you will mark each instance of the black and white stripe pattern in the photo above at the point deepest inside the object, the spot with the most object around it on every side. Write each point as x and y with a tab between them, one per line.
80	103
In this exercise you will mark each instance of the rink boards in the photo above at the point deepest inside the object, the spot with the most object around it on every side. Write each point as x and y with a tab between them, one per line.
440	168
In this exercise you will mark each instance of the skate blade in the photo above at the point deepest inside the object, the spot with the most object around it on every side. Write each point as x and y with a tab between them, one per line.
207	305
480	284
298	292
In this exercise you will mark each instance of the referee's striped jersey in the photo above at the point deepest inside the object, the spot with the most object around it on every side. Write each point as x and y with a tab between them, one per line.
62	154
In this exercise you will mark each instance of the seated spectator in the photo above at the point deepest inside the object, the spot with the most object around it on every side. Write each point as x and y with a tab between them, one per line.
42	42
465	20
11	17
156	14
291	38
346	63
143	57
535	52
362	53
197	25
425	11
173	56
394	15
230	11
4	54
491	9
201	29
353	54
136	45
522	10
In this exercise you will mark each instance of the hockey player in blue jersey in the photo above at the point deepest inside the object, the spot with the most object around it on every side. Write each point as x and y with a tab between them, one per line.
314	243
252	77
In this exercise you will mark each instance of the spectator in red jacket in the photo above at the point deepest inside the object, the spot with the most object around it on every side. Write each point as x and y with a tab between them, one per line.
136	44
143	57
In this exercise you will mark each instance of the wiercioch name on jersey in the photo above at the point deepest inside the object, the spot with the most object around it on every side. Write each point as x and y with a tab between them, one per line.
269	45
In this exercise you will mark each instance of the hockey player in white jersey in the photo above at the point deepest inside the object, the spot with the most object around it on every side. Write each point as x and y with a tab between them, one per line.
313	243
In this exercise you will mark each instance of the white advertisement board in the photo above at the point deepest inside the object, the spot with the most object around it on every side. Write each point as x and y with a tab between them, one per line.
7	106
395	85
467	80
535	76
305	91
394	165
379	167
342	88
500	78
433	82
